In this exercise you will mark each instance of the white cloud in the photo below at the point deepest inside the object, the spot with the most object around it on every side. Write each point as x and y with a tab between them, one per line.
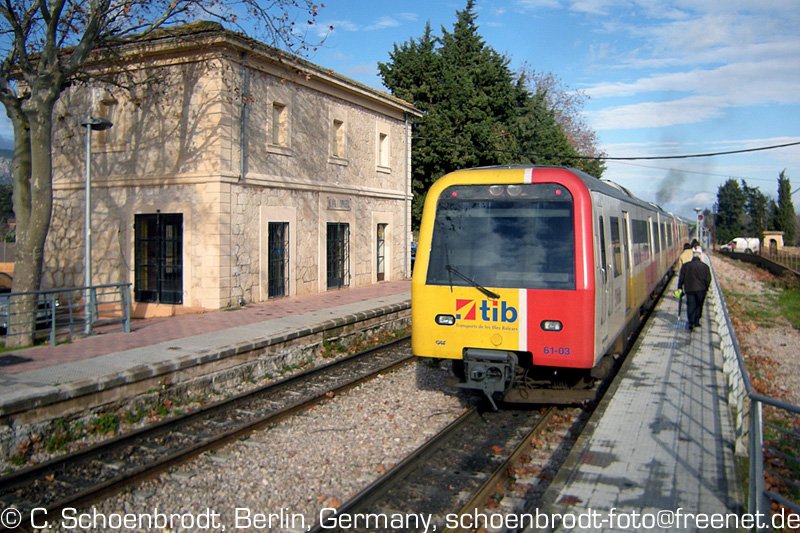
532	5
692	61
656	114
768	81
382	23
391	21
710	93
592	7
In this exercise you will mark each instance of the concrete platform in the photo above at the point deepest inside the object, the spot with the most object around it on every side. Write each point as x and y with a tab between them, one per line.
48	376
660	447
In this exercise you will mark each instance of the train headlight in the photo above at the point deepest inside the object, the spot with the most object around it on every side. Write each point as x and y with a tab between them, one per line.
513	190
445	320
551	325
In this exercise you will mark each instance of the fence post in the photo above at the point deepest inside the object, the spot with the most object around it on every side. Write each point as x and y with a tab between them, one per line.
759	504
53	319
125	296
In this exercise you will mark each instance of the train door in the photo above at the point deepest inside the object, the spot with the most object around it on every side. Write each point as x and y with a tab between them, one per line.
617	275
603	275
626	247
650	265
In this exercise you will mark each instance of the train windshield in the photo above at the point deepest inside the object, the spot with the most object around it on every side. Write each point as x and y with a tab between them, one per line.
504	236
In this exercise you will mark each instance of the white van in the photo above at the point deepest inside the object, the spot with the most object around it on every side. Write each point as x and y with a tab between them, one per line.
747	245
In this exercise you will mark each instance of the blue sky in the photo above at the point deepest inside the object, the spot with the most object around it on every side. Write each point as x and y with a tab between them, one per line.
663	78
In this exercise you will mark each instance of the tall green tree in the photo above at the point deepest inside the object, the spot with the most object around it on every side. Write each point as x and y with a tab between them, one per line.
415	76
479	96
730	208
564	106
757	214
785	215
477	111
543	141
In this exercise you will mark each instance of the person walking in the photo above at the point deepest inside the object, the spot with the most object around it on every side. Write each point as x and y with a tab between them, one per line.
694	279
697	248
685	257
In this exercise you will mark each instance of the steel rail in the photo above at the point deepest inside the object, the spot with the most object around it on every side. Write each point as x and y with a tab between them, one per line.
380	486
60	468
469	449
501	475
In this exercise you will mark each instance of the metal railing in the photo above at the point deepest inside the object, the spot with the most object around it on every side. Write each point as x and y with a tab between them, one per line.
790	260
770	442
63	312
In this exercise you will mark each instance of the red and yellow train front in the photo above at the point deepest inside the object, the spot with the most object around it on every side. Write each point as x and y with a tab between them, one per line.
505	264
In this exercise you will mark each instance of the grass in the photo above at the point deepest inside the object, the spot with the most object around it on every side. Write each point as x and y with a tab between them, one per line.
789	304
779	302
781	298
105	424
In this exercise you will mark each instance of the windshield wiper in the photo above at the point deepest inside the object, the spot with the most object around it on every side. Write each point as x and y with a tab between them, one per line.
453	270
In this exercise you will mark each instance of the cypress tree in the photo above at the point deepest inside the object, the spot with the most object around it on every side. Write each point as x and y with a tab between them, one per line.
785	216
756	208
730	211
476	111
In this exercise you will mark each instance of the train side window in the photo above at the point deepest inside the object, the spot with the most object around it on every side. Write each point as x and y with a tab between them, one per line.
626	241
603	262
616	246
656	239
641	241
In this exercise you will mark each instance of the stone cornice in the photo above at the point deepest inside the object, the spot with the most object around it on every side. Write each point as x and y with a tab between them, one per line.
260	180
219	43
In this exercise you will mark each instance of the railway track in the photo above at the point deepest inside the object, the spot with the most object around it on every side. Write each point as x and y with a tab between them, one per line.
452	475
84	476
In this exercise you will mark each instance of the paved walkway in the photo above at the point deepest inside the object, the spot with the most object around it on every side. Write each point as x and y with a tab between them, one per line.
157	345
662	445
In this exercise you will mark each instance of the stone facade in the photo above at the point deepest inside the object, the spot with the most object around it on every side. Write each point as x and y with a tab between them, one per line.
227	136
773	241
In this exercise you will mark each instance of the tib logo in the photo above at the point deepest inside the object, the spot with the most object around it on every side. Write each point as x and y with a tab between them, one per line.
489	312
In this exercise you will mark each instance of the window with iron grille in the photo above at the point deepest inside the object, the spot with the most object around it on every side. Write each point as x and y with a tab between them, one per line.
381	252
338	255
278	259
158	258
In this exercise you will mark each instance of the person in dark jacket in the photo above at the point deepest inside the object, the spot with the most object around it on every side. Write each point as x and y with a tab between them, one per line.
694	279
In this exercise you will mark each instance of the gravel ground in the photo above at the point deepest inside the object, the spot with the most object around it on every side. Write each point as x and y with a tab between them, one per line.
324	456
314	460
770	346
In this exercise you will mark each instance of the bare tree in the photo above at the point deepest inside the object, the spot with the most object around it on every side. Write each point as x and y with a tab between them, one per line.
45	46
567	105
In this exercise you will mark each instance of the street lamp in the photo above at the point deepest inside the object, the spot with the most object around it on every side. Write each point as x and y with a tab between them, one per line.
699	220
91	124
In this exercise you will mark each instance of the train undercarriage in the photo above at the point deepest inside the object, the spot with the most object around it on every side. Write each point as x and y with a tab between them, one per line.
501	378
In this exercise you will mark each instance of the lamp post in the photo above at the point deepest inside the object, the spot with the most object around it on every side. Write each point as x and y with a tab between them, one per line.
699	220
91	124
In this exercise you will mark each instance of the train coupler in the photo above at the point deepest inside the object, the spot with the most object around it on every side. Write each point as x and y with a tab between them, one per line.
490	371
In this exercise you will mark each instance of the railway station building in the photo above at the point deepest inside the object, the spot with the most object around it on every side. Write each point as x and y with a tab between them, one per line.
233	173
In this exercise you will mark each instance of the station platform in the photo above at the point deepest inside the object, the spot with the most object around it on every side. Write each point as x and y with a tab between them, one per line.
660	446
661	443
35	377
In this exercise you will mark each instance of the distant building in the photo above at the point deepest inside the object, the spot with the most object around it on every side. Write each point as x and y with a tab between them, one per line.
773	241
233	173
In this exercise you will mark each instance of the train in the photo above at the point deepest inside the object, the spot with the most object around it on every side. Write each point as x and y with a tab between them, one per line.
532	279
